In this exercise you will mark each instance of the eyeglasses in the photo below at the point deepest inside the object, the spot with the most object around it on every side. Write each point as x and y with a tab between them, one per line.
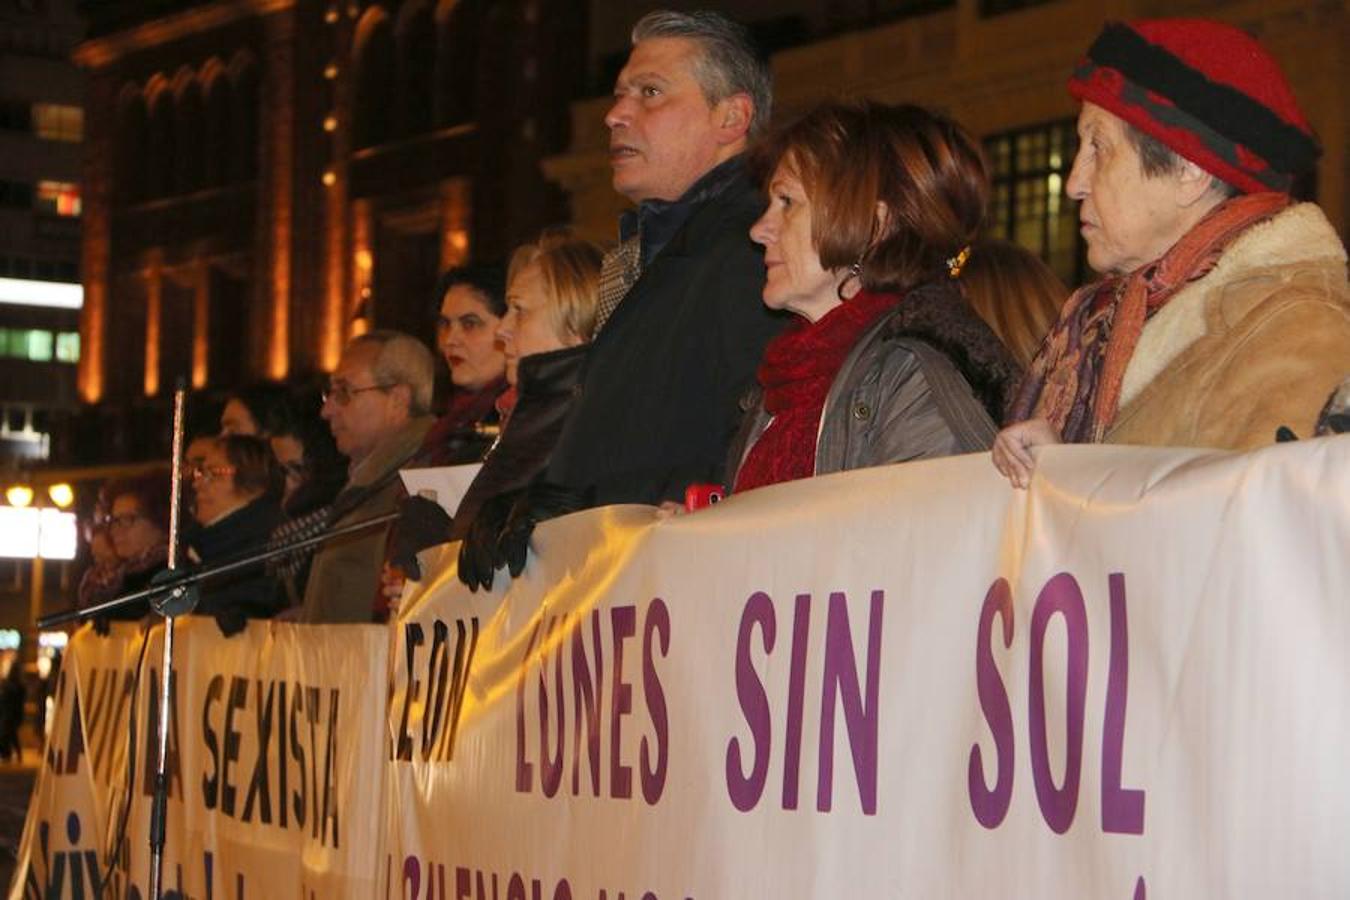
341	393
207	473
125	520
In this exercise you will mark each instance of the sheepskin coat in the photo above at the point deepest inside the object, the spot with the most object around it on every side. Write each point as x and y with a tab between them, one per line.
1260	341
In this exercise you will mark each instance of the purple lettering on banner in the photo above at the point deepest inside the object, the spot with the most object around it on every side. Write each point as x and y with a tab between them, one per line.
515	888
524	771
654	774
1062	595
1122	808
990	806
586	699
563	890
860	716
792	741
551	766
412	876
463	883
1140	891
623	622
745	790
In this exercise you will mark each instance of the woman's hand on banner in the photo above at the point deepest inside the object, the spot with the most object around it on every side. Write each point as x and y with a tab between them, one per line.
1011	452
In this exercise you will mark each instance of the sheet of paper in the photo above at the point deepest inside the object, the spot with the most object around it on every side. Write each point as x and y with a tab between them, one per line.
444	484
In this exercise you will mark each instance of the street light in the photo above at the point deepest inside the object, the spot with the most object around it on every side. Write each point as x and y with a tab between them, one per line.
62	494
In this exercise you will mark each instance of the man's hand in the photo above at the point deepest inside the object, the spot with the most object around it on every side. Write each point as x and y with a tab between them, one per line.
1012	449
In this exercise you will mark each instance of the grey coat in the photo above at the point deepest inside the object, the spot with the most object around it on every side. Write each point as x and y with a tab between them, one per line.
928	380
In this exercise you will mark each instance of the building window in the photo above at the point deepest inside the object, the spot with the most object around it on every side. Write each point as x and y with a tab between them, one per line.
24	343
16	195
998	7
15	115
60	198
54	122
1030	206
68	347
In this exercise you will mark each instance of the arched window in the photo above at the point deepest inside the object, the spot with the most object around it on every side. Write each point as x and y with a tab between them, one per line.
160	153
188	126
216	128
456	94
373	72
416	39
129	183
242	161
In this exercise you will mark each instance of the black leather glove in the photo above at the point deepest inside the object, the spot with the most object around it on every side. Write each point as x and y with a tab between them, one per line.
540	502
478	551
230	622
422	523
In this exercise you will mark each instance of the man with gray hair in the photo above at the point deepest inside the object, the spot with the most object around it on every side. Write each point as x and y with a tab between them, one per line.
683	327
378	407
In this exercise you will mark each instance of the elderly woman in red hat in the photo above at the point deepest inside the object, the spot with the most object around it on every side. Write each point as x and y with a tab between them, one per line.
1224	313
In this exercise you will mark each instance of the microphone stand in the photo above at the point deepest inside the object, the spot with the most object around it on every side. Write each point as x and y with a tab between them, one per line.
159	808
189	579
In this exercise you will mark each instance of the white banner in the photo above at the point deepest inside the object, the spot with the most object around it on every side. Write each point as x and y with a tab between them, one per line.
902	682
273	765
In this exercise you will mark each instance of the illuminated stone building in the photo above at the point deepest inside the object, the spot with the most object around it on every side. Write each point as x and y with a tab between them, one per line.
41	111
264	178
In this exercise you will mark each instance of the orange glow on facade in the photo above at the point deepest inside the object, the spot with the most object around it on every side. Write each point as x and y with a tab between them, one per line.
360	311
154	290
332	334
278	350
90	376
455	207
201	306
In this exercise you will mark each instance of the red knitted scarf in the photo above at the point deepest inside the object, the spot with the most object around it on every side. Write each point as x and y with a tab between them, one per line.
1076	377
796	373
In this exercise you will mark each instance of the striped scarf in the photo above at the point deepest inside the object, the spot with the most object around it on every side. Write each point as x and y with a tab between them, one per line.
1076	377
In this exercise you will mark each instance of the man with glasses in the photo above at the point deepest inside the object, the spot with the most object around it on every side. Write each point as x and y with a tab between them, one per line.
378	407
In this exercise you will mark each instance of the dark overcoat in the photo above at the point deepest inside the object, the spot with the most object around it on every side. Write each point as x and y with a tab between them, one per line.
659	402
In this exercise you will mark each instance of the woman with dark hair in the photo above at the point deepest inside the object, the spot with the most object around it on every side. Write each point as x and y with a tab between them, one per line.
470	304
872	211
260	409
236	489
313	473
138	526
312	469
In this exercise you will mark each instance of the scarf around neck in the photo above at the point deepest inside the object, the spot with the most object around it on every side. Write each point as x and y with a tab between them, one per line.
1076	377
796	373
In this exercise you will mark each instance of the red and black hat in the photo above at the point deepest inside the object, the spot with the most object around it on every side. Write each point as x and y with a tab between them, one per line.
1208	91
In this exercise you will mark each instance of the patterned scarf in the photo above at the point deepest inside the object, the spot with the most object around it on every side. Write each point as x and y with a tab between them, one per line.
1076	377
796	373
